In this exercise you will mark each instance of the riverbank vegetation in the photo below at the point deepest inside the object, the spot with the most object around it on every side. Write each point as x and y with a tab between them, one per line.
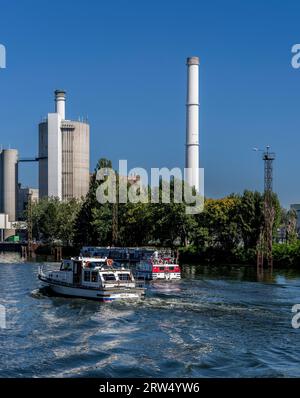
227	231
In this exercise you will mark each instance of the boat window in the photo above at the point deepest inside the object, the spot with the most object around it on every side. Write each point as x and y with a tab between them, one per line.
86	276
96	264
109	277
124	277
171	268
94	276
66	266
161	268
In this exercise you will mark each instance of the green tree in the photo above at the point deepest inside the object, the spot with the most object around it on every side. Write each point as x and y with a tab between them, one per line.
288	222
134	224
54	220
250	218
94	219
66	218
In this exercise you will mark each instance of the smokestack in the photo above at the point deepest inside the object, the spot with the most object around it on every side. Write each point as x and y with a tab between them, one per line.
60	100
192	123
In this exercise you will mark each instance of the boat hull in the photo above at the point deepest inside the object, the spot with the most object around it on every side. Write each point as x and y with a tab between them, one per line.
149	275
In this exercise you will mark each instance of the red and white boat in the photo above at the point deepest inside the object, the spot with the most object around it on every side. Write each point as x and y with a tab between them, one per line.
158	267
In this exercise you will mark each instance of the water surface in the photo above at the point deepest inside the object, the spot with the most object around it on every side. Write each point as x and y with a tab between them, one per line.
216	322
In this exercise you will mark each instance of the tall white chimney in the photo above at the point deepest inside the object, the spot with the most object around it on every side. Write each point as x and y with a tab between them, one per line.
192	123
60	103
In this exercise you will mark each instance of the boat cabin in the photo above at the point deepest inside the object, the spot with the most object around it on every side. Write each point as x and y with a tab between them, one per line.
92	272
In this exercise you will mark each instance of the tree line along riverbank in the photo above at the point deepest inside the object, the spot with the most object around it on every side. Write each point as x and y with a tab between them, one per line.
226	231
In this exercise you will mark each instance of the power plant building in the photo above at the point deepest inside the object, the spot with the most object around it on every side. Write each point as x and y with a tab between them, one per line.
64	154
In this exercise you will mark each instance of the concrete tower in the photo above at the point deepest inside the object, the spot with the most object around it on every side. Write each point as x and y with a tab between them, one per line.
64	152
192	123
8	185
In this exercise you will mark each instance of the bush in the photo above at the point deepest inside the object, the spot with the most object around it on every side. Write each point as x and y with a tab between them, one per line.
284	255
287	255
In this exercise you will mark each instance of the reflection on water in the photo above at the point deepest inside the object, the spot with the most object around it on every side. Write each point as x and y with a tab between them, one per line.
215	322
241	273
8	258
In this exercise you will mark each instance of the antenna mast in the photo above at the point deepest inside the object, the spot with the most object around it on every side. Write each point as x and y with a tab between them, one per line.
266	236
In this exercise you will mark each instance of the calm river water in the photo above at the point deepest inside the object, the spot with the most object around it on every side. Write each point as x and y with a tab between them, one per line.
213	323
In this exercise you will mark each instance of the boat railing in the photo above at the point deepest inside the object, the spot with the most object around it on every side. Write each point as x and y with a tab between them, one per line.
63	275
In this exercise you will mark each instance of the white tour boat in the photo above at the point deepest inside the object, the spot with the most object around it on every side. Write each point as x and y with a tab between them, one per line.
158	267
93	278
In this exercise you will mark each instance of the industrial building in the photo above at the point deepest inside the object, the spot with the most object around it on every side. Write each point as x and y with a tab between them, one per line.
64	166
64	154
8	190
23	196
296	207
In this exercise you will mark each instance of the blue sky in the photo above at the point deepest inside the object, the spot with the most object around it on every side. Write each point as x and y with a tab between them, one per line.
122	64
